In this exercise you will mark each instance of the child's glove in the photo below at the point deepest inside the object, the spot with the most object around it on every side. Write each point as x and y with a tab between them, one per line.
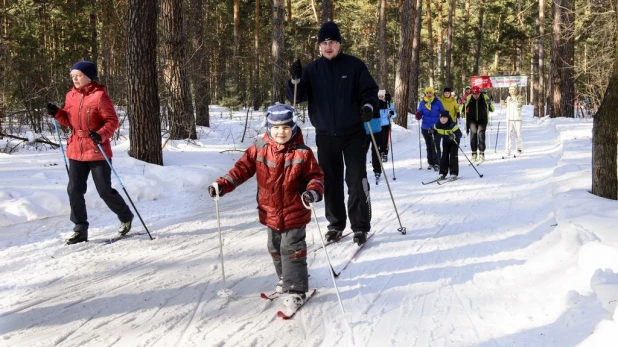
311	196
452	136
213	189
418	116
96	138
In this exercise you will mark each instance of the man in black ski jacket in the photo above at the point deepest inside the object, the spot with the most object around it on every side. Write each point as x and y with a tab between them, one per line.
341	95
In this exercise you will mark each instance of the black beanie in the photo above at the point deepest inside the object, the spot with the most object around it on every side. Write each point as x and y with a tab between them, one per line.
87	68
329	31
445	114
447	89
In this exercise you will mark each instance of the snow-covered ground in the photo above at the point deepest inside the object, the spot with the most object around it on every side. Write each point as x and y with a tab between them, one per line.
524	256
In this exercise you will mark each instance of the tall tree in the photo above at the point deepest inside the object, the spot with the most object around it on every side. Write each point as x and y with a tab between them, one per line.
327	11
199	63
174	45
567	57
402	75
430	44
382	44
604	140
555	60
256	74
235	57
449	44
539	85
415	74
479	38
278	39
143	103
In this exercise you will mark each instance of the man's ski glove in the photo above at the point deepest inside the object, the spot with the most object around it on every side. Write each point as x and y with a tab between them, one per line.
296	70
418	116
52	109
391	113
452	137
213	188
311	196
96	138
366	114
430	131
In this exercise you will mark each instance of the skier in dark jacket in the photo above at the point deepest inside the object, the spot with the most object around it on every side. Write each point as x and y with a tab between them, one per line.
477	109
341	95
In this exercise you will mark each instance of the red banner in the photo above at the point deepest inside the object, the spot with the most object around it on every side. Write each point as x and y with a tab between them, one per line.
480	81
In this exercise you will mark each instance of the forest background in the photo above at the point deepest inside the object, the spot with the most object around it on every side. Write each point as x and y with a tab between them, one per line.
166	61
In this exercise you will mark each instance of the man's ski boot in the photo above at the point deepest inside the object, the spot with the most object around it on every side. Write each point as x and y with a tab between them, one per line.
279	287
332	235
360	237
77	237
482	157
436	167
125	227
441	177
474	157
294	299
378	174
384	157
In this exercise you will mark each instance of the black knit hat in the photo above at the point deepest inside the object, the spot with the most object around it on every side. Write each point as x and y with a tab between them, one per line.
329	31
87	68
445	114
447	89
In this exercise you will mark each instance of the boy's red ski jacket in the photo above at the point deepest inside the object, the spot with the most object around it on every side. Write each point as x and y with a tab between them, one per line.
283	173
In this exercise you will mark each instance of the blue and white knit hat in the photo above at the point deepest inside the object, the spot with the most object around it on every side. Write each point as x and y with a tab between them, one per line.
281	114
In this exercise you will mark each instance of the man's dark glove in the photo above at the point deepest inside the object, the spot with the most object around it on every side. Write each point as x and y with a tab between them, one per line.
418	116
96	138
311	196
391	113
430	131
296	70
52	109
366	114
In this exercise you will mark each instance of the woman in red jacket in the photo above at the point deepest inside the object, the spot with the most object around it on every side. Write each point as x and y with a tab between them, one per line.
89	111
286	172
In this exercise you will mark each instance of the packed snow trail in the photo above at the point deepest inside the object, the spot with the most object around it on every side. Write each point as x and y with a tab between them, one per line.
477	252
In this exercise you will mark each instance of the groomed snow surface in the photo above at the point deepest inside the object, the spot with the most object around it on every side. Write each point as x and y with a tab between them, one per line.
524	256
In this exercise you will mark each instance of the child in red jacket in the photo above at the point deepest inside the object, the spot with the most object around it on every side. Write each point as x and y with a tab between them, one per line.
287	172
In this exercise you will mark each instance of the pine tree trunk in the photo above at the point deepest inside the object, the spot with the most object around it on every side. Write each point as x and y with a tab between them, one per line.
567	57
604	140
430	44
403	64
479	38
382	76
257	76
449	45
414	80
278	40
181	117
143	105
539	86
555	62
327	10
199	63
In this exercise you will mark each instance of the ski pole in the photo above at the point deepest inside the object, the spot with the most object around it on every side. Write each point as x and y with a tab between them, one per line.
66	165
390	138
464	153
497	133
224	292
420	156
123	188
401	229
331	271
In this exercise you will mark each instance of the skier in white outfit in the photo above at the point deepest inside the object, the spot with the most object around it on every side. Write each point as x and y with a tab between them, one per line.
513	105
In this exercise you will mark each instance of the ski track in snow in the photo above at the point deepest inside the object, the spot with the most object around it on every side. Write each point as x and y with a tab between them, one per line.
439	285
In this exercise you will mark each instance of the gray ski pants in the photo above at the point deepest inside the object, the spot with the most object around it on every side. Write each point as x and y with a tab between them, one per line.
289	252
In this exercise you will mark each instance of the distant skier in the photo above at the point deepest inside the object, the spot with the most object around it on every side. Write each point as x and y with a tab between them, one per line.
447	130
513	105
376	127
428	110
287	172
89	112
477	109
387	112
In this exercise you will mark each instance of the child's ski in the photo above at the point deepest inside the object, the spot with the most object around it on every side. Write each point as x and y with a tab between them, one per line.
288	315
434	181
272	296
